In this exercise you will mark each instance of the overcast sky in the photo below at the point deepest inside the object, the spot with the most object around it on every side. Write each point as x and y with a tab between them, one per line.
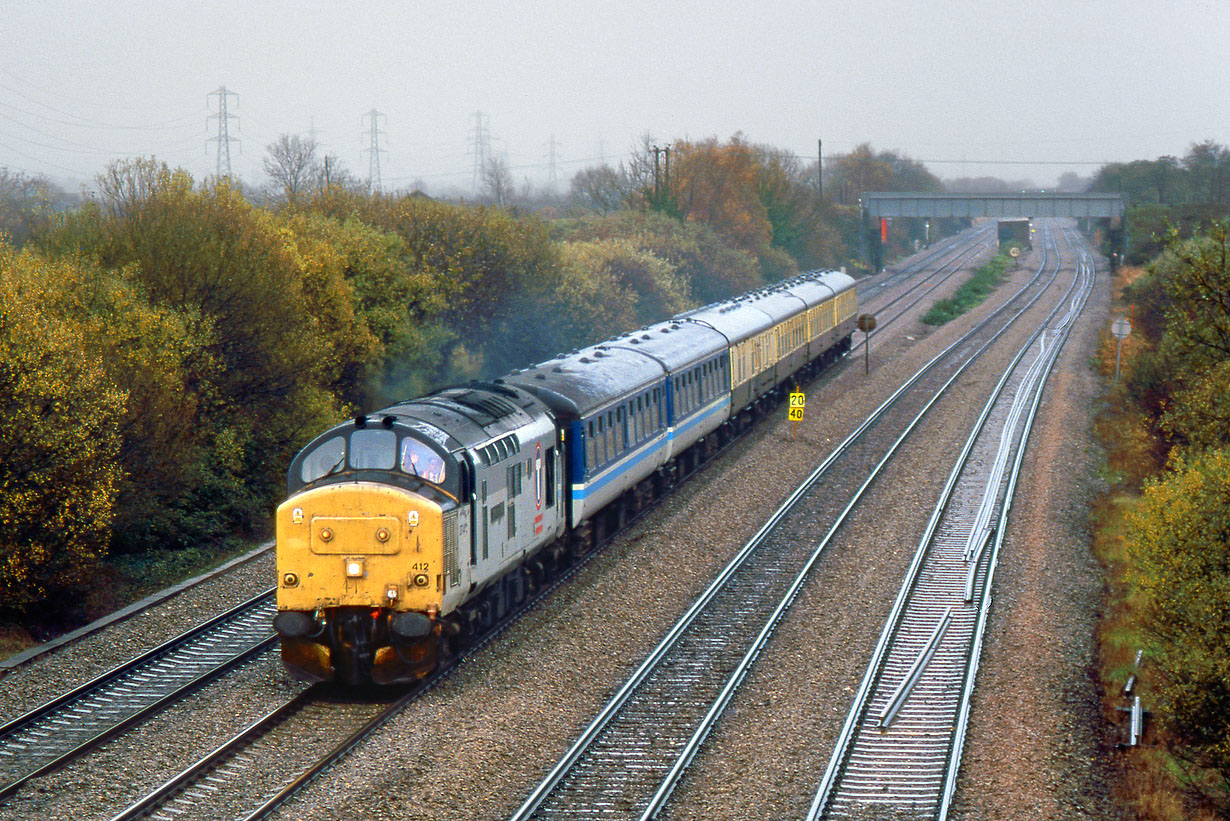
961	85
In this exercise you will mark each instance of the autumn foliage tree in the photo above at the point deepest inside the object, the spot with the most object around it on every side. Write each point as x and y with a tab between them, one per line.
267	328
1179	538
60	435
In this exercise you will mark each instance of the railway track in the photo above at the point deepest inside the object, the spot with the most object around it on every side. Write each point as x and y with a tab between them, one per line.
177	798
69	727
267	762
630	758
72	725
900	748
951	258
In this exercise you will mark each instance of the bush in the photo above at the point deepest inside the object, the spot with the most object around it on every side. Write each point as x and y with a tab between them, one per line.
1179	541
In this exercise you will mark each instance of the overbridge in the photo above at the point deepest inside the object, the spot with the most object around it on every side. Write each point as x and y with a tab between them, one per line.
1086	206
885	204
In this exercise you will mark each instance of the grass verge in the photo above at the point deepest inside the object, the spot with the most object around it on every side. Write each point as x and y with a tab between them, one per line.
971	293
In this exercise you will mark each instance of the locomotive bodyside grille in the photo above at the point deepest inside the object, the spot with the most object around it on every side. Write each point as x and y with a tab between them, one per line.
452	572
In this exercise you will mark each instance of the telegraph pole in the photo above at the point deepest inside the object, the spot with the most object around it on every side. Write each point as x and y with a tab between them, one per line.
657	173
820	168
373	150
224	138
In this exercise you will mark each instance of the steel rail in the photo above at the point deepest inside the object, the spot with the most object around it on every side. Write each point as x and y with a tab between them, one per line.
677	770
922	288
184	781
8	665
957	246
880	650
980	628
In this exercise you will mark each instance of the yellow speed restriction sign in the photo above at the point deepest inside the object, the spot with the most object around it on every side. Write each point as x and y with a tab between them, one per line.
797	400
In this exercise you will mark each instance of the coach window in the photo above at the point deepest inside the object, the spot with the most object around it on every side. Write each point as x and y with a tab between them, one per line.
601	442
591	444
373	449
330	456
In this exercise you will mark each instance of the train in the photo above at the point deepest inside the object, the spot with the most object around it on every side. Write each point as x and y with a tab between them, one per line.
408	532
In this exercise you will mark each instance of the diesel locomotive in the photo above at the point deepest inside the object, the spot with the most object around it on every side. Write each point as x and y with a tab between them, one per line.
409	531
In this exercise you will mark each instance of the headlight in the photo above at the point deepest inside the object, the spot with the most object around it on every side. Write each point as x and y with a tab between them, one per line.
290	580
354	568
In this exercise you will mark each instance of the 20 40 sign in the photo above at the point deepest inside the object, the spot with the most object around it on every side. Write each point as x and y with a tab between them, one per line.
797	400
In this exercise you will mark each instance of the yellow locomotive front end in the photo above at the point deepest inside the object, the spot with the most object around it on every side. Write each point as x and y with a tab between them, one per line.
360	583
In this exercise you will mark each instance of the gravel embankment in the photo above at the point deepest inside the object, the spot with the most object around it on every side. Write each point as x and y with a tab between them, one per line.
474	747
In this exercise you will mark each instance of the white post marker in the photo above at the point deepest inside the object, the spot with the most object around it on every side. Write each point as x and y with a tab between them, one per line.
1121	327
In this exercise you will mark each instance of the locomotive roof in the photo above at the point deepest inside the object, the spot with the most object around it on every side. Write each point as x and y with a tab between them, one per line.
466	415
578	383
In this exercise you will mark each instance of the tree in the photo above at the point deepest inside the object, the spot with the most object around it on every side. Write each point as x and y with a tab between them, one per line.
1072	182
26	202
599	188
1196	343
60	416
717	185
125	185
711	269
1209	165
497	181
264	370
293	167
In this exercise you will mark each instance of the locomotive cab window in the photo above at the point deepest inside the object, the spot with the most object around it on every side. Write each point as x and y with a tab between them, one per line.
373	449
419	460
330	456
